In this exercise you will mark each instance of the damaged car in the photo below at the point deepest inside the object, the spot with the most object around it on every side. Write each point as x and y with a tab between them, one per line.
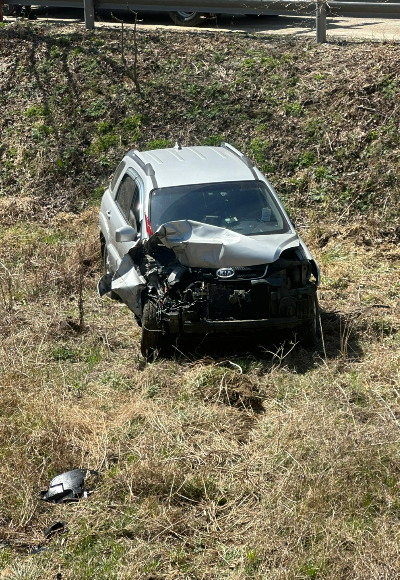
195	241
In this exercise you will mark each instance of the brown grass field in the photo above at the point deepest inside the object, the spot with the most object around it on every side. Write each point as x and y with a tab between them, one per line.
283	465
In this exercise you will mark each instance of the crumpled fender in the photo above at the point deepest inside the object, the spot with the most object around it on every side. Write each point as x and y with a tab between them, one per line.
314	266
127	283
200	245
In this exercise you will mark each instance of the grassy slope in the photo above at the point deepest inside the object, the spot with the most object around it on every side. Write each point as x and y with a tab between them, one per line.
288	470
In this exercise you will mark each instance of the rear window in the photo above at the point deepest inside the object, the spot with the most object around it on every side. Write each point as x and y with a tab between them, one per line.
247	207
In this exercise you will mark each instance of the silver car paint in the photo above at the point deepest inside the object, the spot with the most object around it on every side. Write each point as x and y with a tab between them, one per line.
191	165
195	165
200	245
129	284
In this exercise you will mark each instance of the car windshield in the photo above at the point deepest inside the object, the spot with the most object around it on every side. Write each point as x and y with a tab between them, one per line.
246	207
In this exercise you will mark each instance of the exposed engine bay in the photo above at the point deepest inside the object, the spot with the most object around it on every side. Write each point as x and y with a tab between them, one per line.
170	296
184	296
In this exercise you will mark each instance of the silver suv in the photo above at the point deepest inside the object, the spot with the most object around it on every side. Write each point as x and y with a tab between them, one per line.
195	241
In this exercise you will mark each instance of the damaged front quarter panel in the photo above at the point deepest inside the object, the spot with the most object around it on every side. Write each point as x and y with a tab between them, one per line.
127	283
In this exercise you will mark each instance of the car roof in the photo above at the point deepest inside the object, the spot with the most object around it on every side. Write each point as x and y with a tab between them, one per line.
195	165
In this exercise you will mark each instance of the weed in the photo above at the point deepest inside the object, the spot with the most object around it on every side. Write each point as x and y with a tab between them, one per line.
133	122
37	111
40	131
334	254
152	565
104	127
97	108
383	327
96	195
103	143
213	140
160	144
321	173
153	391
252	561
65	353
294	109
259	150
390	87
54	238
307	159
311	569
55	52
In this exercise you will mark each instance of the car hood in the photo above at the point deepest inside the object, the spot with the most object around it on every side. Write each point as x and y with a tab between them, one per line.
200	245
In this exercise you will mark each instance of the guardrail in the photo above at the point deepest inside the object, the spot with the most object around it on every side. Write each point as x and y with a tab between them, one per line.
321	8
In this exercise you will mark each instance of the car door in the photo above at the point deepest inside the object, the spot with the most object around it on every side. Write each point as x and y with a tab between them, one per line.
126	211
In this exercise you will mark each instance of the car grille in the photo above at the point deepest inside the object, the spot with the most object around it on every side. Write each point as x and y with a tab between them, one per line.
251	272
241	272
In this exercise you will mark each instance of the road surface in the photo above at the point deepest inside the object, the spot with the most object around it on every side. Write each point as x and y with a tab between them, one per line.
377	29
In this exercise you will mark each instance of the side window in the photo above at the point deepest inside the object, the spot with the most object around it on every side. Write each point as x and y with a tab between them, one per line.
125	195
116	175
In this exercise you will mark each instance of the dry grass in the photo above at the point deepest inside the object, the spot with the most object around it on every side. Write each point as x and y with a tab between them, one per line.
289	469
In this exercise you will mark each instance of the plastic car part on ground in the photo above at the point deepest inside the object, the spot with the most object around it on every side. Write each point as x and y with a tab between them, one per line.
57	527
67	487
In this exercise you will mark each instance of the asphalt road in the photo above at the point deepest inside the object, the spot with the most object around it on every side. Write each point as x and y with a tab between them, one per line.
358	28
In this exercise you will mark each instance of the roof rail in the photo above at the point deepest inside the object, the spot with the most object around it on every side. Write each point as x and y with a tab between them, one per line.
242	157
147	168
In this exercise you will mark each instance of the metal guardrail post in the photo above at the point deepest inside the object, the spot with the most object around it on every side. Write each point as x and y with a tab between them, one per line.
320	21
89	14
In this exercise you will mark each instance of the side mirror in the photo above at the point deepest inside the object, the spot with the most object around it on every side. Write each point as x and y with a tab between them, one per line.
126	234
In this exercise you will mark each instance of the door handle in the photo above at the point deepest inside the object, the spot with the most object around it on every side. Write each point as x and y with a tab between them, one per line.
108	214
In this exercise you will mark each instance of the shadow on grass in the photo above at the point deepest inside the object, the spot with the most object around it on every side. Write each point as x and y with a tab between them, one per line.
340	337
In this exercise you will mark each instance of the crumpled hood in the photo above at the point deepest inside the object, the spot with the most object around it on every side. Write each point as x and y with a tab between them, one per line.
200	245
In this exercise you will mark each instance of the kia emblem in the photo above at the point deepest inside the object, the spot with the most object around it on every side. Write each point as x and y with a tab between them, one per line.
224	273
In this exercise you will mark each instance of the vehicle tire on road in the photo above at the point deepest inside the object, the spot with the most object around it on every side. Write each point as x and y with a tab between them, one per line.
152	336
307	331
107	270
8	9
186	18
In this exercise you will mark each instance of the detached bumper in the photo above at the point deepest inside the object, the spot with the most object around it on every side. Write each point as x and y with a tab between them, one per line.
231	326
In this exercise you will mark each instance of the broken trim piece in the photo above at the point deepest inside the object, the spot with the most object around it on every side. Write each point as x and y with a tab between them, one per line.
68	486
55	528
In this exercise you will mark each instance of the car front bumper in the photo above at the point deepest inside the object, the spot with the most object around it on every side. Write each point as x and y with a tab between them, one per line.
235	326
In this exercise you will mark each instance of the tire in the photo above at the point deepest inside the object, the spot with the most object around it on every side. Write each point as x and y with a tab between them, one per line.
8	9
107	270
186	18
307	331
152	336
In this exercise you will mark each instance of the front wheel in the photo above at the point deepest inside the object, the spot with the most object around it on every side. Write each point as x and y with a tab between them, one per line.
152	336
307	331
186	18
